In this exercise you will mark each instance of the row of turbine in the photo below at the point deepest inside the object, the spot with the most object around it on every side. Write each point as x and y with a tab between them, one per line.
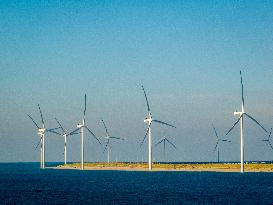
80	130
149	120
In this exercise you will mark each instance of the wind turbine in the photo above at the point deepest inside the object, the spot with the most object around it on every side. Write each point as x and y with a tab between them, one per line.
41	133
108	137
81	128
241	120
149	121
65	135
164	140
268	139
218	139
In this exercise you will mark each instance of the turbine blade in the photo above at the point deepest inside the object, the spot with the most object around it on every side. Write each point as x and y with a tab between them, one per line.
145	135
106	146
53	128
84	105
243	100
60	125
225	140
164	123
159	142
215	132
170	143
270	133
74	131
234	125
92	134
118	138
256	122
54	132
270	144
216	146
38	143
41	115
33	121
148	106
106	130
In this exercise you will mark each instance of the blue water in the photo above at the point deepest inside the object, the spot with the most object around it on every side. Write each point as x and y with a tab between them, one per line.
25	183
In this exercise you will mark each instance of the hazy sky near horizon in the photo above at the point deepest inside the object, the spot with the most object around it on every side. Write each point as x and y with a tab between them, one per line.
187	54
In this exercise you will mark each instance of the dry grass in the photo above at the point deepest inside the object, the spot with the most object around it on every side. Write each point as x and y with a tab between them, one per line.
253	167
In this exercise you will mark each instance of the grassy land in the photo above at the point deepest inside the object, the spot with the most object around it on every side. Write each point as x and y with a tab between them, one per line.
183	167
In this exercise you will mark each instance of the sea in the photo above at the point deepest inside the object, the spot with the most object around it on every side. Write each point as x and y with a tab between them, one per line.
26	183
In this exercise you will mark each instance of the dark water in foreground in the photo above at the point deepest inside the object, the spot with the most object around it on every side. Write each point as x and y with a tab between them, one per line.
25	183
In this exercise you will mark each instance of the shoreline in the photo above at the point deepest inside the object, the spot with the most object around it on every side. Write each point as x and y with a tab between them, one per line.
215	167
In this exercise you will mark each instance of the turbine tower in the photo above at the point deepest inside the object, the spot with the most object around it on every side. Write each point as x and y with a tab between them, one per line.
41	133
149	121
241	120
164	140
65	135
108	137
218	139
81	128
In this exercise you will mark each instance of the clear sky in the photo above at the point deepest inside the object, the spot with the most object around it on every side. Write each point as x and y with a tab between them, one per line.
187	54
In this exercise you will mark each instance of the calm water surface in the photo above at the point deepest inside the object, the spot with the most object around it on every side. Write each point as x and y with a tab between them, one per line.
25	183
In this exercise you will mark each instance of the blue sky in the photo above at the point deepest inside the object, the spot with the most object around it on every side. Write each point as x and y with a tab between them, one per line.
187	54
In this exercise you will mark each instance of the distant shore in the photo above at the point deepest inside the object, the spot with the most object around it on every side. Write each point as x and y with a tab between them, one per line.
202	167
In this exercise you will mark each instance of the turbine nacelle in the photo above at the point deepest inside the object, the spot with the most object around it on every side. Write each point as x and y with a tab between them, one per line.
148	120
41	131
79	125
238	113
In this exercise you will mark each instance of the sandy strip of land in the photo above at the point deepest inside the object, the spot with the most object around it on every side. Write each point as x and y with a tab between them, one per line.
188	169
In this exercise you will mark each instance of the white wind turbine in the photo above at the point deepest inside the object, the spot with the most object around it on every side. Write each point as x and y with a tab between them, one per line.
65	135
218	140
241	119
41	133
108	137
149	121
81	128
164	140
